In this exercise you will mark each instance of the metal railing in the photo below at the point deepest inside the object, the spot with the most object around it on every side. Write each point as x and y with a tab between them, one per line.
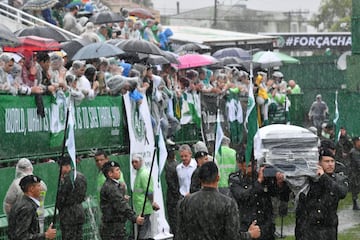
23	18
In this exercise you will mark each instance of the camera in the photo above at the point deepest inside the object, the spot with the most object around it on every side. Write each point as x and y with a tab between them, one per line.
269	171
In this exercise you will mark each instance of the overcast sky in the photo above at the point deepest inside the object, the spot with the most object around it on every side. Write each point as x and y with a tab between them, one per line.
169	6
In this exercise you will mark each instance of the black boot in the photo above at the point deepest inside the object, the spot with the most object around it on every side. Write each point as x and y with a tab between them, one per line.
355	205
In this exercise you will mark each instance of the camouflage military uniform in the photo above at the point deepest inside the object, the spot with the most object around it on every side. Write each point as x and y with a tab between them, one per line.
23	221
71	212
115	211
208	214
354	172
316	217
173	194
254	201
195	181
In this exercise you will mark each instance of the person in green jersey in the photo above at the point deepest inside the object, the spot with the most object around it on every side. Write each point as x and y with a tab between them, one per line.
139	191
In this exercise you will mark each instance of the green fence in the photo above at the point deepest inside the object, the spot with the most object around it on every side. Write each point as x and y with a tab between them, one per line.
99	123
319	75
49	173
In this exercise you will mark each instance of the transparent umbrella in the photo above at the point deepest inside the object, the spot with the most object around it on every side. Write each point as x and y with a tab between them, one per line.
273	59
39	4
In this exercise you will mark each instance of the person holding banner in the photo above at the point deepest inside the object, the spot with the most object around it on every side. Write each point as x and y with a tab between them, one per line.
71	194
114	206
139	191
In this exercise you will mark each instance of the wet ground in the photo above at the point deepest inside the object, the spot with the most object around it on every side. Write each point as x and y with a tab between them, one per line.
348	218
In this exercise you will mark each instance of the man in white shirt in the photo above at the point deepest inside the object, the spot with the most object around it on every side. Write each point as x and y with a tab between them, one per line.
185	169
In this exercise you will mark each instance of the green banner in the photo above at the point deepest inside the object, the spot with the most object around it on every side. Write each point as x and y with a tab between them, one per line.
99	124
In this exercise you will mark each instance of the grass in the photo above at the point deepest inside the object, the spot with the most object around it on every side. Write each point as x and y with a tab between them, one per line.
350	234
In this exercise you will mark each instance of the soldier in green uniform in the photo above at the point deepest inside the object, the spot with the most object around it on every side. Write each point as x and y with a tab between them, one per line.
172	193
201	158
355	171
209	214
23	218
100	159
70	197
253	192
316	217
114	207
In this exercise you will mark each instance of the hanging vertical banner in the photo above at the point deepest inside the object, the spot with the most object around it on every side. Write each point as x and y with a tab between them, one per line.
142	142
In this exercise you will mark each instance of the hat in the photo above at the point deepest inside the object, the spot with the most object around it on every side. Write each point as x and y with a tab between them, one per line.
27	180
24	163
278	74
108	165
200	155
200	147
137	157
16	56
325	152
225	140
355	139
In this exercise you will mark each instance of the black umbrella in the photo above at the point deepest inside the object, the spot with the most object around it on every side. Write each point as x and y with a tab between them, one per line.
231	60
232	52
139	46
193	47
153	59
43	31
106	17
7	38
97	50
39	4
71	47
172	57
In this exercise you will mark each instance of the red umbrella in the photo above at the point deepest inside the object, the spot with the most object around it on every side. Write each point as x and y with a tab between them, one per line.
141	13
195	60
34	44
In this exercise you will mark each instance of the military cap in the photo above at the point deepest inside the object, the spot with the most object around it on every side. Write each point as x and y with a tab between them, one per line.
200	154
355	139
27	180
325	152
108	165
